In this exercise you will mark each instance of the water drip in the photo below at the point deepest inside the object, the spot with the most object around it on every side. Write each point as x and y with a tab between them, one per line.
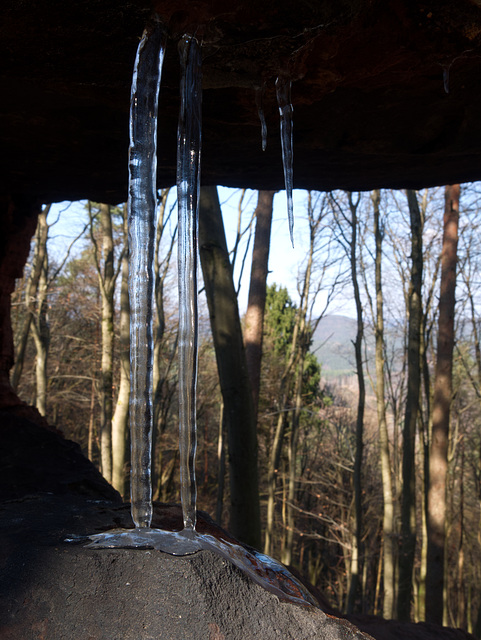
283	92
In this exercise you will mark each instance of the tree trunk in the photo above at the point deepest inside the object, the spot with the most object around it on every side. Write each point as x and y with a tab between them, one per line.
232	368
40	327
355	585
385	457
292	473
120	420
408	501
438	459
254	317
31	290
107	277
272	472
220	468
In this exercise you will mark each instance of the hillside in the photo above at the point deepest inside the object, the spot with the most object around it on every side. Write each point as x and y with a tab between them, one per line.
333	345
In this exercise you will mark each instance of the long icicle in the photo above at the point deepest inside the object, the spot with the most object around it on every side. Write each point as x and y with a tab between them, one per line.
188	185
283	91
142	204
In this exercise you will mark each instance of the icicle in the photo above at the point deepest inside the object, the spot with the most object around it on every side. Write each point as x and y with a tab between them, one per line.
446	78
142	204
260	110
142	199
283	91
188	185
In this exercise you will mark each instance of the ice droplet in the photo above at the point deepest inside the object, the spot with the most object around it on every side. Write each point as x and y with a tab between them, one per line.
260	110
283	92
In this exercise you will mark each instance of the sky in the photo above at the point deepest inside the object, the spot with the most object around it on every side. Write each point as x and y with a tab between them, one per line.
284	259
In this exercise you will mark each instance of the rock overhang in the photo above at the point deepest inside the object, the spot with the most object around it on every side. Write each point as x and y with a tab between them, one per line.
385	94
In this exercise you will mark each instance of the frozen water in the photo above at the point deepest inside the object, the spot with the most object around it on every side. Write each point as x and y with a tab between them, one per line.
260	110
142	204
283	92
142	198
176	543
188	185
446	78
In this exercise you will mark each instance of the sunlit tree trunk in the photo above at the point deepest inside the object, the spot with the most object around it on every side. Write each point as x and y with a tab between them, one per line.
273	468
408	500
220	467
31	291
301	341
292	472
161	370
120	420
254	317
355	585
232	367
385	457
107	277
438	460
40	326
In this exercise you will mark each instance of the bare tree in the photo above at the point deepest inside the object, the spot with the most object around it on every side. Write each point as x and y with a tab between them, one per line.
349	241
408	501
384	452
443	389
38	263
120	419
232	367
254	317
107	277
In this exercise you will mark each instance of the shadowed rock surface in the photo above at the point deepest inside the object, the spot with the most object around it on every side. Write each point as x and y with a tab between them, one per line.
386	93
53	590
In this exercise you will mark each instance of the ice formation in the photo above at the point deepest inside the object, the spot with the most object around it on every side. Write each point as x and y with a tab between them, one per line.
283	91
260	110
142	202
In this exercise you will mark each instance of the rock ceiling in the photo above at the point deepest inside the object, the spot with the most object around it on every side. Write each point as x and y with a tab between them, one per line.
385	92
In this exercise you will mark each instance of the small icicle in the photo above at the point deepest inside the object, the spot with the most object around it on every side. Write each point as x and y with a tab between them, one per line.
446	78
283	91
260	110
188	185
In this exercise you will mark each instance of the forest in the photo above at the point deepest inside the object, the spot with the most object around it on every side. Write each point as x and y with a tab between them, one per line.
370	484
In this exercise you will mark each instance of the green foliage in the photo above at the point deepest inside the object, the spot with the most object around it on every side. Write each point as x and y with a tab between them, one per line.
279	318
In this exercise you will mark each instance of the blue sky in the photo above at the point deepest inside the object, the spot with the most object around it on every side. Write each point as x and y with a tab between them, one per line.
284	260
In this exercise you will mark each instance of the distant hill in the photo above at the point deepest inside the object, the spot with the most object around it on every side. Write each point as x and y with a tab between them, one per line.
333	345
